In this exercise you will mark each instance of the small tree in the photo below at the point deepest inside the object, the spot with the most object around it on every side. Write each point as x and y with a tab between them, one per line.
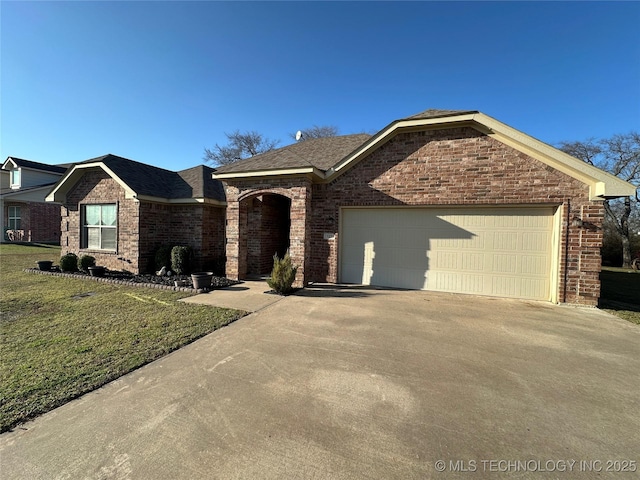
86	261
181	259
283	274
163	257
69	262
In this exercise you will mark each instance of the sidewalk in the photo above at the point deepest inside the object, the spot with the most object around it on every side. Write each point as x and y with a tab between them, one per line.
249	296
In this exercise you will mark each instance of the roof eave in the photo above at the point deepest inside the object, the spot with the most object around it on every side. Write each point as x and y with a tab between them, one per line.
602	185
182	201
313	171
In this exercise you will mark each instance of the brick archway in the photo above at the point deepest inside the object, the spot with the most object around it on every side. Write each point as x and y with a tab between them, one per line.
264	219
266	231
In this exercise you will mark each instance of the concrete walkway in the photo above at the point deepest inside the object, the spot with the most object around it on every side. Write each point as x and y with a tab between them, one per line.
249	296
355	383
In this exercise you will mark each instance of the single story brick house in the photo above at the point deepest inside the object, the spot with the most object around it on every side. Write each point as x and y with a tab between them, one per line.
444	200
121	211
24	214
452	201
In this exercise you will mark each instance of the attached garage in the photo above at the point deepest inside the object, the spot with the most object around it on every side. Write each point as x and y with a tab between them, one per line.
506	252
445	200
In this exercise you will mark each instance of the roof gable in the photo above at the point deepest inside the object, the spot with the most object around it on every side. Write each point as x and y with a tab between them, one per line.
14	162
601	184
146	182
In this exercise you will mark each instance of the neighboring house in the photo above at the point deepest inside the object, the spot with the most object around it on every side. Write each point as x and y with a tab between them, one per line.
121	211
24	215
452	201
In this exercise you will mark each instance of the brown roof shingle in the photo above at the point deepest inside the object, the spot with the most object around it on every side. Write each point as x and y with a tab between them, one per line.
321	153
436	113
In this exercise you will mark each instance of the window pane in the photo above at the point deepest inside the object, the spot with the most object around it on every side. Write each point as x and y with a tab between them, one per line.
92	214
109	215
15	177
109	238
93	238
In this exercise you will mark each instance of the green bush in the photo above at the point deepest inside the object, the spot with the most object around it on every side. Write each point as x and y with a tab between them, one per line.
163	257
85	262
181	259
69	262
283	274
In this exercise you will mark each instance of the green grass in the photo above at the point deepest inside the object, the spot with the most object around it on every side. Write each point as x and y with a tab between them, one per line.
63	337
620	293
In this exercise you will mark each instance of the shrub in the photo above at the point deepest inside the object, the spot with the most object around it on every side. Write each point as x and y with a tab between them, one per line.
163	257
283	274
69	262
85	262
181	259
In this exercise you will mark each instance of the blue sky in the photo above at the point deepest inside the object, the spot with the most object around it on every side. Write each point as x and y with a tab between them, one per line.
158	82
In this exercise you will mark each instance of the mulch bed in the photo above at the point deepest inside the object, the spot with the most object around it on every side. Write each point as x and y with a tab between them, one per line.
150	281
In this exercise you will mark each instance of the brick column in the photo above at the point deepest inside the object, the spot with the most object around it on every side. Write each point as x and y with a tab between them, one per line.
232	233
299	234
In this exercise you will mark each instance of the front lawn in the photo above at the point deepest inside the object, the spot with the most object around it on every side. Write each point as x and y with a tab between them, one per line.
620	293
63	337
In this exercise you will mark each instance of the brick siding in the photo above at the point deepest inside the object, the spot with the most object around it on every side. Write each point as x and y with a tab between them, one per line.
462	166
450	167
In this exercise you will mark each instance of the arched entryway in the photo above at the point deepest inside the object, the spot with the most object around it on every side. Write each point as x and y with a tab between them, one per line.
264	231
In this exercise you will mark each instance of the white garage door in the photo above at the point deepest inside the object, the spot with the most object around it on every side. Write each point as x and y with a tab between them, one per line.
502	252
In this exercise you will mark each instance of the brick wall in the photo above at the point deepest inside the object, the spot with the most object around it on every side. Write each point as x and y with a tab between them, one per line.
96	186
201	226
461	166
39	221
143	226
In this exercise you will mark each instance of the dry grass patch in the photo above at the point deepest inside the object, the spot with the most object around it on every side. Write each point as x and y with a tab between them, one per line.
62	337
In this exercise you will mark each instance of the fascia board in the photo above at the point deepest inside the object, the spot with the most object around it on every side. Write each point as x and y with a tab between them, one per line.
59	192
268	173
181	201
9	160
601	184
30	189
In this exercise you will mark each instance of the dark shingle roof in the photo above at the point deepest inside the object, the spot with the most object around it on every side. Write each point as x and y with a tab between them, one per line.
322	153
157	182
203	185
20	162
436	113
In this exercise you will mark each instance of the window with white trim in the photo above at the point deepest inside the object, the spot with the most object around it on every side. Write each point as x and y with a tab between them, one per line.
15	220
15	178
99	226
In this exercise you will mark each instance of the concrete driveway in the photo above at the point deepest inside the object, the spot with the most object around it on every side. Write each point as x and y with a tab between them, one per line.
361	383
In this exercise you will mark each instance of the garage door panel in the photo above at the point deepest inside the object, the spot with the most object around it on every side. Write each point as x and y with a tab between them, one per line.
488	251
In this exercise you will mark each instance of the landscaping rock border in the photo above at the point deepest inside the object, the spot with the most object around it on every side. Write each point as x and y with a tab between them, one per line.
218	282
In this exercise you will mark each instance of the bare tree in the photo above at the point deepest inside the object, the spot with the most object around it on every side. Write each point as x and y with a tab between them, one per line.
241	145
620	156
316	131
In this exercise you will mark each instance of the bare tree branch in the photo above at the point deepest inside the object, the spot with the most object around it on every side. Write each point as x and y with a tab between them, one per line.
241	145
620	156
317	131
